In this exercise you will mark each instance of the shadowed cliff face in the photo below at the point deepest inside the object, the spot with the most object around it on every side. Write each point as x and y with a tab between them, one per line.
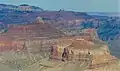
115	47
27	17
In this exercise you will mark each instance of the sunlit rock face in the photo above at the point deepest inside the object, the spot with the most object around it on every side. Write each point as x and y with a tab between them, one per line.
80	48
37	29
7	43
75	46
39	20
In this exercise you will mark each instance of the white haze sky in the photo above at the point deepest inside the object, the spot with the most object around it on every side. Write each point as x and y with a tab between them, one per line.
74	5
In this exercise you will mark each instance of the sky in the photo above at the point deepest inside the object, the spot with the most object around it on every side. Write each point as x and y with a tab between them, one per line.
72	5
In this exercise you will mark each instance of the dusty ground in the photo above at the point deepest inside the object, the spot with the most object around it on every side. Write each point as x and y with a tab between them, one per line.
6	68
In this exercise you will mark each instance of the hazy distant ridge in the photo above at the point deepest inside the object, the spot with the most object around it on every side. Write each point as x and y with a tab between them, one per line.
23	7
